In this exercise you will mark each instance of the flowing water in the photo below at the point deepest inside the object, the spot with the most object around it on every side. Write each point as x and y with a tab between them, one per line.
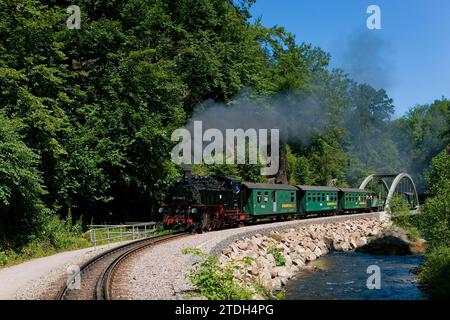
345	277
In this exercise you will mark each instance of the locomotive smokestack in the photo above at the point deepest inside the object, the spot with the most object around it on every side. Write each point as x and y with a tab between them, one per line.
187	171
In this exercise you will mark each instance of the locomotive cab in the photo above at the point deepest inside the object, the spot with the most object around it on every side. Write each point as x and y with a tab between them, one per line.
202	203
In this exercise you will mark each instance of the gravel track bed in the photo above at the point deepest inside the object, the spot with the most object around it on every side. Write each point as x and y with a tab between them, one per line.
159	272
42	278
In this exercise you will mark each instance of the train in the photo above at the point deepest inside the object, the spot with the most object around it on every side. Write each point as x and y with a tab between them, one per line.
205	203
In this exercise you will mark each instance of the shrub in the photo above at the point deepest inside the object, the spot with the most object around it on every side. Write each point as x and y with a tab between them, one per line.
215	282
435	272
231	282
413	234
280	259
3	258
399	209
434	220
53	235
56	233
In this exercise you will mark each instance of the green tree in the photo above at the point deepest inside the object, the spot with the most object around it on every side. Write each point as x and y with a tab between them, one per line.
20	188
435	213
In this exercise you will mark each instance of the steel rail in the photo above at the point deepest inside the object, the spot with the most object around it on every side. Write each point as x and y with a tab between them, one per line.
104	286
107	258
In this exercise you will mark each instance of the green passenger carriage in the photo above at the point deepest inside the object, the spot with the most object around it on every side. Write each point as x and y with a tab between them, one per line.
317	198
263	199
353	199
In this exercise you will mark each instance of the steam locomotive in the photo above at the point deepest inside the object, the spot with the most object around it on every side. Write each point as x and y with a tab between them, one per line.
205	203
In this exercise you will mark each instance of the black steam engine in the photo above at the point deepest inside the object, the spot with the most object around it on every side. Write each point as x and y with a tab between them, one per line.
203	203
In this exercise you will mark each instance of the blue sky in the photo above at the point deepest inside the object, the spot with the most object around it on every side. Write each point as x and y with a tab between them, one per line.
409	56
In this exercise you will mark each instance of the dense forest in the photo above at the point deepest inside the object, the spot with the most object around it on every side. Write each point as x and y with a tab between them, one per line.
86	115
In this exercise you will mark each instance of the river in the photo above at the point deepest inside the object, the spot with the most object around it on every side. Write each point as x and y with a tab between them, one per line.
344	277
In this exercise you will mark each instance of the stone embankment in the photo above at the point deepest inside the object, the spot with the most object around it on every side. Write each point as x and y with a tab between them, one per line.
278	256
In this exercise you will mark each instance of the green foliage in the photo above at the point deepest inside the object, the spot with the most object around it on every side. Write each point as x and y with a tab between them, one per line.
230	282
420	135
51	236
299	168
327	159
438	176
434	220
3	258
245	172
434	224
435	272
59	234
20	186
400	211
413	234
215	282
280	259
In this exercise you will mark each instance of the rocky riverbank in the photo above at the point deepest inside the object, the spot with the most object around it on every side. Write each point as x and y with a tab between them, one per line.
271	260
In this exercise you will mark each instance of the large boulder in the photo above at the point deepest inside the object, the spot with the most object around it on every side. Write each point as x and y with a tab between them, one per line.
386	245
394	242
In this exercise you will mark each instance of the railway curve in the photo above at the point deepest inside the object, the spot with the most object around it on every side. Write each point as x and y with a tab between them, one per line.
97	274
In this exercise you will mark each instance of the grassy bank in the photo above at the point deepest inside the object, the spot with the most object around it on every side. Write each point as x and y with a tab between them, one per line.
57	235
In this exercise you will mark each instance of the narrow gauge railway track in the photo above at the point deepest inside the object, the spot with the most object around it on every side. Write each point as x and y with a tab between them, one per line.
97	274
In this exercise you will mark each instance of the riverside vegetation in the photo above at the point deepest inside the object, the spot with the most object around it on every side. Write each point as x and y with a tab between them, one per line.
433	223
86	115
258	267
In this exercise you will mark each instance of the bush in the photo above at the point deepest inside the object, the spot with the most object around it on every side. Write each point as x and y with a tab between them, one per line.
3	258
54	235
215	282
280	259
399	210
58	233
435	272
231	282
413	234
434	219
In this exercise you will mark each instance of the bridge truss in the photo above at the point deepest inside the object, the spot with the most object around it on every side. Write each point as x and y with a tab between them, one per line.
386	185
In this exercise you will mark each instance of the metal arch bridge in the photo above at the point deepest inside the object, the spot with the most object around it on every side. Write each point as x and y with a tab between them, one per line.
386	185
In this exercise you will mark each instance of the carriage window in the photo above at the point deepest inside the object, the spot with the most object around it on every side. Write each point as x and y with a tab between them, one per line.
274	196
292	197
259	197
323	197
314	198
309	196
266	196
